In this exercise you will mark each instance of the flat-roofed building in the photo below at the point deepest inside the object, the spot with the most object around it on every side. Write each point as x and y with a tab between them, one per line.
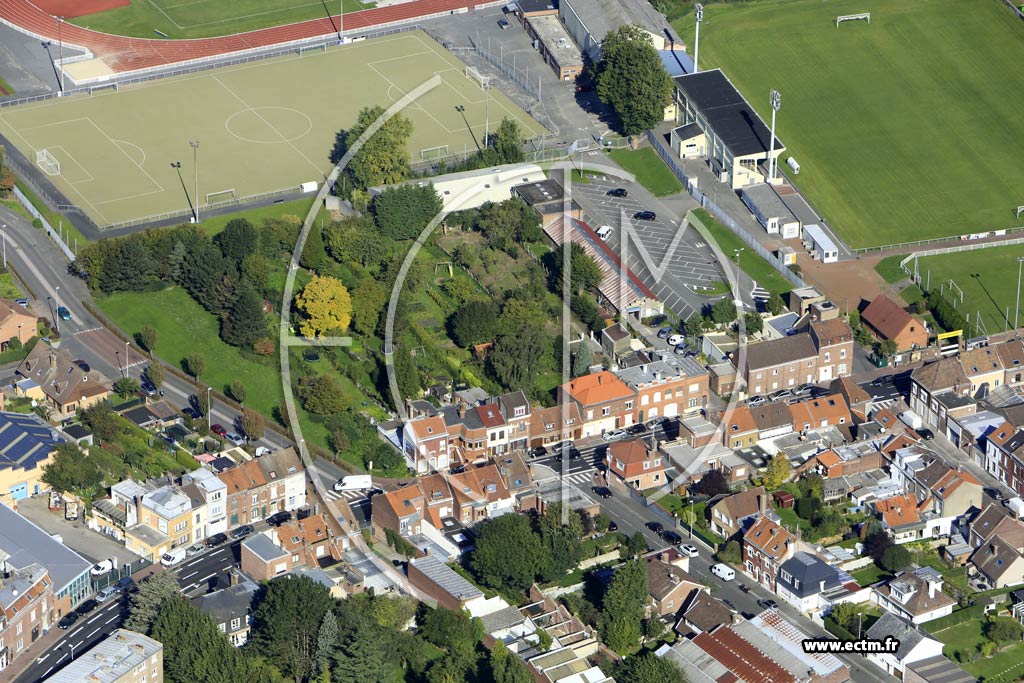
556	47
122	657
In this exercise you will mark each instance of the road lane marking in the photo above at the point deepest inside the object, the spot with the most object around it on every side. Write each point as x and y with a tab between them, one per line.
93	633
72	634
98	615
113	618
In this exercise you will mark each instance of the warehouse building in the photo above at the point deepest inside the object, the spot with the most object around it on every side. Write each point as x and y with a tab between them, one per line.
589	21
718	123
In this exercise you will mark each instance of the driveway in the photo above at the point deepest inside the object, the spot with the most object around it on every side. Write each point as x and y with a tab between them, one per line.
90	544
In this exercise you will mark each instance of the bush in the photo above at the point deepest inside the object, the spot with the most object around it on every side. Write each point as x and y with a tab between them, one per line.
806	508
895	558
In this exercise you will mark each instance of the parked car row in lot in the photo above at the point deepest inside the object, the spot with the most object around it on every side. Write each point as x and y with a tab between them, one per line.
797	393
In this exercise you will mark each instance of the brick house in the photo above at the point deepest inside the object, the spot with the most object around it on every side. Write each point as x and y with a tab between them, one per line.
637	467
728	513
605	402
668	586
888	320
26	610
818	413
834	342
515	409
478	492
781	364
425	443
401	510
260	487
930	382
741	431
667	388
557	423
766	545
55	378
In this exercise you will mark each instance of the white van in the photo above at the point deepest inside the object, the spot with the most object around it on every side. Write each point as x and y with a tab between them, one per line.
604	232
723	571
356	482
173	557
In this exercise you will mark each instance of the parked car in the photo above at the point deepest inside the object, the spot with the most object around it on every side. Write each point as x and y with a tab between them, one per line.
219	430
767	604
638	428
192	413
926	434
126	584
603	491
756	400
672	537
107	593
744	587
102	568
235	438
86	607
664	333
782	395
676	339
656	527
503	23
68	621
174	556
689	550
656	422
617	192
645	216
279	518
261	451
195	550
22	302
216	540
614	435
82	365
658	320
803	390
996	494
242	531
682	349
63	313
612	526
538	452
148	388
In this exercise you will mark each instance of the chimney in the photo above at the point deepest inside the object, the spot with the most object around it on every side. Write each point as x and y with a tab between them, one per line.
53	361
736	618
600	378
760	502
933	586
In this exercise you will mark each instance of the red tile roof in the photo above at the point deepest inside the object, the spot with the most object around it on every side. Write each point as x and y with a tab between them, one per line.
600	387
740	657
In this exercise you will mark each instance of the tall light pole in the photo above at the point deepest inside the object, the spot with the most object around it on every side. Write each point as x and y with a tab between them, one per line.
5	245
341	20
60	59
56	315
776	99
698	12
209	410
194	144
487	114
1017	310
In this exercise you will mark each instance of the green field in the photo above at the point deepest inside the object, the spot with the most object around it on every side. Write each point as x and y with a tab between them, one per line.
991	293
750	263
905	128
262	126
204	18
649	169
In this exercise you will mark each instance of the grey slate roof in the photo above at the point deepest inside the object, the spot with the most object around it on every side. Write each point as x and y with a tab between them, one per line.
780	351
940	670
446	578
263	547
891	625
27	544
229	603
808	573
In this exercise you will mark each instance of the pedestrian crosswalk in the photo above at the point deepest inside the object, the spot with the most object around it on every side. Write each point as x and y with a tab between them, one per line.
759	293
347	495
581	478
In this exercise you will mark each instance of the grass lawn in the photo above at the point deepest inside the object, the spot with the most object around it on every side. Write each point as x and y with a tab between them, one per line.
204	18
889	268
991	293
184	328
868	109
870	575
752	264
297	207
1009	660
9	290
649	169
790	519
911	294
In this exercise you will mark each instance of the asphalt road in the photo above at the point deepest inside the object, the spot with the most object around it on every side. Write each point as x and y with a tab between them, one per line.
44	271
197	575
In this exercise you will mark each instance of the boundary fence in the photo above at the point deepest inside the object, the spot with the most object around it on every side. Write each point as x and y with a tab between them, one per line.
901	246
905	263
1016	10
707	203
70	255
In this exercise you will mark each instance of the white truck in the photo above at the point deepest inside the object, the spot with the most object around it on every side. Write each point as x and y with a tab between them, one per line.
911	419
173	556
355	482
723	571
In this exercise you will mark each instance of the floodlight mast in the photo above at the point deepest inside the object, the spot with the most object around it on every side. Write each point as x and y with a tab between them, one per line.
194	144
776	100
699	14
1016	311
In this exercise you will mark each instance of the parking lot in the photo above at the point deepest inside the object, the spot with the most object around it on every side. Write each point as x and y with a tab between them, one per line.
89	544
690	262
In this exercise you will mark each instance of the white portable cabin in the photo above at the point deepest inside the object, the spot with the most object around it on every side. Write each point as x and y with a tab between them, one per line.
821	244
770	211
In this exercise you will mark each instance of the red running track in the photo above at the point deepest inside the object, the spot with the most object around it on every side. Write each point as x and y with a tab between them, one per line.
123	54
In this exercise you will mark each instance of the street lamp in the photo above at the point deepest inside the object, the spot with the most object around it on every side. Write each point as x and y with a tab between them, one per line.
698	12
5	245
776	100
736	254
209	410
1016	312
194	144
126	359
60	60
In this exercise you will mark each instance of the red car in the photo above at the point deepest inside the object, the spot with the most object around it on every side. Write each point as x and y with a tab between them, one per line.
219	430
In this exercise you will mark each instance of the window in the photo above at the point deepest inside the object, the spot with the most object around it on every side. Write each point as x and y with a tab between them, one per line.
644	399
842	353
657	396
694	402
606	411
221	628
694	387
255	498
520	411
236	623
647	465
775	371
590	414
180	526
828	357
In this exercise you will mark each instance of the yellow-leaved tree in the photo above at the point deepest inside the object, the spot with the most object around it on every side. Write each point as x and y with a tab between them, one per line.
326	305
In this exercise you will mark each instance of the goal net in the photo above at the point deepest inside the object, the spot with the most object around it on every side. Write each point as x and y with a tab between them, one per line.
47	162
221	197
866	16
474	74
434	153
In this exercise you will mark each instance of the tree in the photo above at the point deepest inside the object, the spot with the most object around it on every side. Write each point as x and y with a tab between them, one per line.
584	272
627	592
237	390
875	545
71	470
313	251
194	649
723	311
323	395
286	624
147	338
475	321
253	424
776	304
506	223
753	323
649	668
368	300
355	239
401	213
731	553
582	359
145	603
238	239
777	472
507	667
326	641
456	632
255	271
384	158
508	555
654	628
694	326
361	657
632	81
811	486
806	508
622	635
1003	630
636	545
561	542
516	358
895	558
246	322
195	365
126	387
155	374
713	483
326	305
887	347
508	142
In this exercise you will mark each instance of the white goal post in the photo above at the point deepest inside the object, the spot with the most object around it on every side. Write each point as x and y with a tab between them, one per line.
47	162
474	73
866	16
221	197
